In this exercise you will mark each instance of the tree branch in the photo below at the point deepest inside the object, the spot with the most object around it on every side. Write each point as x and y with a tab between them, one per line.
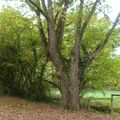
40	27
61	23
102	45
76	48
44	6
79	25
88	18
42	35
84	48
38	8
55	85
54	54
100	10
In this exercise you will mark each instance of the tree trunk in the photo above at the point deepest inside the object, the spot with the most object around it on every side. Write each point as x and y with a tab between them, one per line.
70	85
65	92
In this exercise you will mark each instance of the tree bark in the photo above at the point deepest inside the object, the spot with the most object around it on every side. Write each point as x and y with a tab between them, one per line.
70	86
65	92
70	94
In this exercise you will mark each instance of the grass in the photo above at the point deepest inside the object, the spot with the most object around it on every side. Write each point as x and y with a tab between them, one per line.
100	94
103	97
97	94
99	100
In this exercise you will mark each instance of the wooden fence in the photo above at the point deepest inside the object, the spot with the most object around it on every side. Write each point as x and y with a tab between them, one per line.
113	105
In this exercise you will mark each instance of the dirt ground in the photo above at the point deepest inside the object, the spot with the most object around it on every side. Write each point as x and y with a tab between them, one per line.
12	108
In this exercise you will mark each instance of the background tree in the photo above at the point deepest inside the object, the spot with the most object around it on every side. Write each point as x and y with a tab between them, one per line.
22	64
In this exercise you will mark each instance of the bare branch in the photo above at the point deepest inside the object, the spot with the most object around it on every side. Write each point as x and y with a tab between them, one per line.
76	47
101	46
61	23
44	6
66	2
56	16
60	31
38	8
107	17
100	10
79	24
88	18
55	85
40	27
84	48
42	35
54	54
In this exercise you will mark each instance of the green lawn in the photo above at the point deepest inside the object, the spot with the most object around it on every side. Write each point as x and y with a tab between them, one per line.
92	94
100	94
98	97
103	98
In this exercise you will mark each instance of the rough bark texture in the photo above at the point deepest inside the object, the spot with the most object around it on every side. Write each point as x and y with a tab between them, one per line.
75	84
65	91
70	92
70	85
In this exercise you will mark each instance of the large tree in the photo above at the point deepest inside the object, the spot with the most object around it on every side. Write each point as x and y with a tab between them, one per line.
70	71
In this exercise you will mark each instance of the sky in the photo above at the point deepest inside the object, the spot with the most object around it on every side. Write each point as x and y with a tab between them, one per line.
115	8
115	4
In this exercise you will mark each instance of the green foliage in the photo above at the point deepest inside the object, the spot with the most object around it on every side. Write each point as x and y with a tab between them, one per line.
104	71
22	63
23	66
